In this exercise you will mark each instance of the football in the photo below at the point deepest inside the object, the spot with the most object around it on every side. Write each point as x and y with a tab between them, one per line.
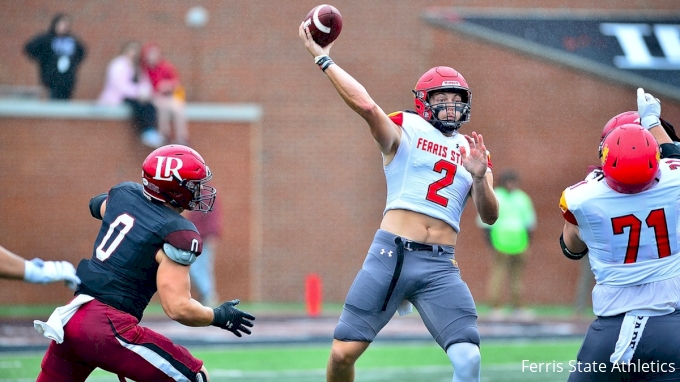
325	23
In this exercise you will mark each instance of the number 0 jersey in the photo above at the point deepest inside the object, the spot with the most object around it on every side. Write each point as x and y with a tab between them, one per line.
633	241
123	267
426	174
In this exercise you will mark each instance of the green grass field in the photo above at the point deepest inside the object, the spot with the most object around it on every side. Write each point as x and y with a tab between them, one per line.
386	361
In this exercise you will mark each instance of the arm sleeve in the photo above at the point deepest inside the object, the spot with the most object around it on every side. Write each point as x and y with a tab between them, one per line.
96	205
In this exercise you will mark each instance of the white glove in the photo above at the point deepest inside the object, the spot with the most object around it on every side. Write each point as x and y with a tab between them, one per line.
649	109
43	272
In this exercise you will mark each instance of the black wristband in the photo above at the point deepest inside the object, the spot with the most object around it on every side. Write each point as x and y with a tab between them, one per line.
569	254
324	62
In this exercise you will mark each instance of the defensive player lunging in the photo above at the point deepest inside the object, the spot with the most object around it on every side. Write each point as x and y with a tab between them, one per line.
144	245
431	170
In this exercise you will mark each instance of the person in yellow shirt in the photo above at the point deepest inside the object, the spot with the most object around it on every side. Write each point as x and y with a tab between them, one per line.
509	237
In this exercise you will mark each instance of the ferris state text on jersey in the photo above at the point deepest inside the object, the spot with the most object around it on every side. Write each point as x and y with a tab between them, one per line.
437	148
426	174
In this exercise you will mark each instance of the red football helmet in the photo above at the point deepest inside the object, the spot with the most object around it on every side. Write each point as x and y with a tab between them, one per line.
443	79
630	159
619	120
178	175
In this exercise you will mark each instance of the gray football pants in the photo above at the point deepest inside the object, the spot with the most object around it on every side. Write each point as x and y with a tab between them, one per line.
428	277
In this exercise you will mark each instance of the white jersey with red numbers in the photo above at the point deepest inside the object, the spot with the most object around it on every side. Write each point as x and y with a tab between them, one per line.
427	174
633	242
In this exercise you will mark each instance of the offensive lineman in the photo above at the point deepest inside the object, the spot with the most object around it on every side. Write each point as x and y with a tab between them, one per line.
144	245
431	170
627	221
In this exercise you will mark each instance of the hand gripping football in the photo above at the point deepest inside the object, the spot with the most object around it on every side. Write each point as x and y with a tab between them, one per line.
325	23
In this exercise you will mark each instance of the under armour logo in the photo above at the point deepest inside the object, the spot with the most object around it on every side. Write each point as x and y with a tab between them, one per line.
382	252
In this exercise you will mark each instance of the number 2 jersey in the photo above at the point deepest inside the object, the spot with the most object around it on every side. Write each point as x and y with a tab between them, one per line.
123	267
426	174
633	242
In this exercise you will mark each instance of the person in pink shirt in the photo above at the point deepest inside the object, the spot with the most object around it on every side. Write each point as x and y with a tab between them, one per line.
168	94
126	83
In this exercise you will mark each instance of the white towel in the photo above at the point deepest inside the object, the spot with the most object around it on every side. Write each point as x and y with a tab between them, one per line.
629	337
405	308
54	327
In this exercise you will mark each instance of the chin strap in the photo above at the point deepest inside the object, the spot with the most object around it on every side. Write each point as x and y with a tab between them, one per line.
445	128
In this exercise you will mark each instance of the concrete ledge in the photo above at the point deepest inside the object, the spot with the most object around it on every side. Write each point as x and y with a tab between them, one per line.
214	112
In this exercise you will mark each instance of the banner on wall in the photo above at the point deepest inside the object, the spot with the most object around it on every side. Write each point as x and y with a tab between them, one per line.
636	48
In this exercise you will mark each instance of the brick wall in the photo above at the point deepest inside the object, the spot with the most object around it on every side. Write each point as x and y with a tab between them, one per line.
322	188
51	169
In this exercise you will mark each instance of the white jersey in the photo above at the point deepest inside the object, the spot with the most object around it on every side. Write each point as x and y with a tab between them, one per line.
427	174
633	242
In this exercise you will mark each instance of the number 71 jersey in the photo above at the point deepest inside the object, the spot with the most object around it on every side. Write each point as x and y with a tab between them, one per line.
426	174
624	232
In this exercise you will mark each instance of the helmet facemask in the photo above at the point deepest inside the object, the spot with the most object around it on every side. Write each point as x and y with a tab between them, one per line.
431	112
203	194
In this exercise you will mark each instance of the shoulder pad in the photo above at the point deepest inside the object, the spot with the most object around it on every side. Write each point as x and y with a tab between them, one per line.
568	215
182	234
397	117
179	256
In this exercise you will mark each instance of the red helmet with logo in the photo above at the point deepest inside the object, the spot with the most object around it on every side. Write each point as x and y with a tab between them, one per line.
178	175
630	159
443	79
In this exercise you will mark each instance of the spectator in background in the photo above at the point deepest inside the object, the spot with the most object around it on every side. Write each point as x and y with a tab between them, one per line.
202	272
509	238
127	83
168	95
15	267
58	54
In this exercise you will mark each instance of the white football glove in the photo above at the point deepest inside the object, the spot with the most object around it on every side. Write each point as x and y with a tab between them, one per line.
43	272
649	109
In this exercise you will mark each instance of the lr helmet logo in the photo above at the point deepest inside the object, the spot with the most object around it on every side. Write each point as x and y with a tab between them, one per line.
172	166
631	37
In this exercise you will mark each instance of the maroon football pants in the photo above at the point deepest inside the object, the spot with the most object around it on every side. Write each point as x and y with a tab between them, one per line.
101	336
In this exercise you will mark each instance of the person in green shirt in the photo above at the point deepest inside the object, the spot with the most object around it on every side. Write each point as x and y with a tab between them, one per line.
509	237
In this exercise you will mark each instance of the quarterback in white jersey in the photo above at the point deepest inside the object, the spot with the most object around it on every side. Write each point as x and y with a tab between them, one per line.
431	170
628	222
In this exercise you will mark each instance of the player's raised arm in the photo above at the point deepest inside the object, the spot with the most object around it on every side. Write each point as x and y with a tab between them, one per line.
477	163
385	132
